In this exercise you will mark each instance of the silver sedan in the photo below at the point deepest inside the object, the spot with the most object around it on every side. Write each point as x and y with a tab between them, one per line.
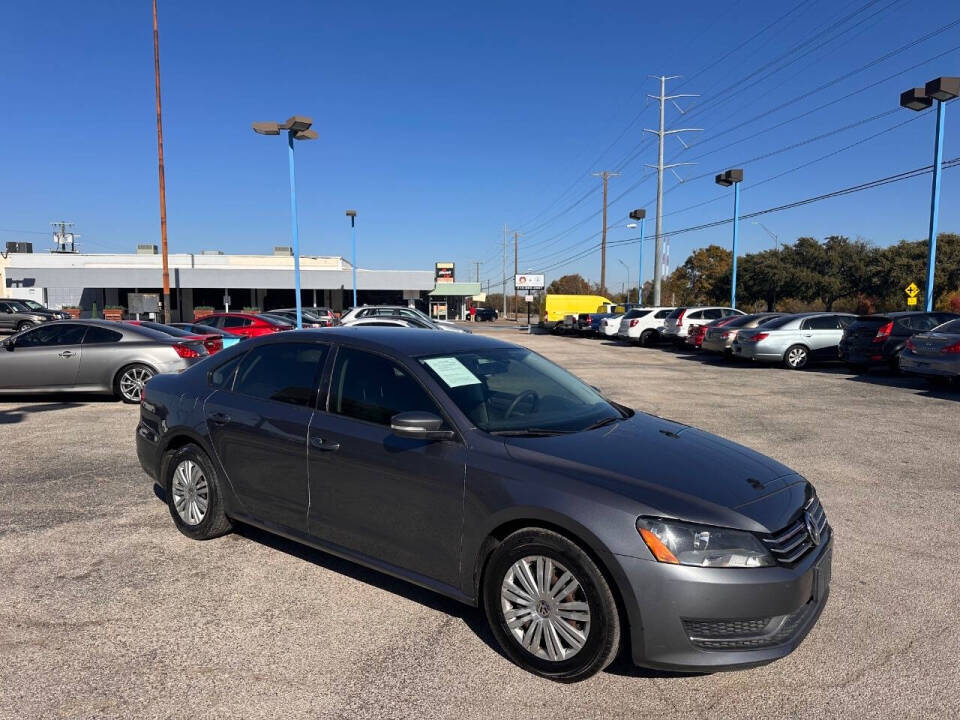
91	356
794	340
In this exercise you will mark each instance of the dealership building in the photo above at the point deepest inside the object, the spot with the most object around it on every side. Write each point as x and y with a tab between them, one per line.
215	279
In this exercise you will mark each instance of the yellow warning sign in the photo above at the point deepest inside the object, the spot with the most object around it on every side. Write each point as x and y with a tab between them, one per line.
911	301
912	291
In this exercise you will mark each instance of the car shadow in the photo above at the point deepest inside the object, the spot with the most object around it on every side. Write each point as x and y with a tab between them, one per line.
14	415
909	382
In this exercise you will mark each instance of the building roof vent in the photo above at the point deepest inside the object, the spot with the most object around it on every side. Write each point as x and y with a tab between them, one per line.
19	247
147	249
283	250
211	252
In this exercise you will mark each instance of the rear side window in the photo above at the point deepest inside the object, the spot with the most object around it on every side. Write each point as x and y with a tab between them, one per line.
283	372
222	376
636	314
235	322
920	323
821	322
675	313
697	315
100	335
47	335
663	314
951	327
713	314
372	388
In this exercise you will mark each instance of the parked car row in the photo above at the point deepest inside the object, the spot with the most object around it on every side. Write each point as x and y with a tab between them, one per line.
923	343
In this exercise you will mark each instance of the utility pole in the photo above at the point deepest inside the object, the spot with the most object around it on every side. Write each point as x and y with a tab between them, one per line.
658	265
606	175
478	263
516	255
163	187
504	288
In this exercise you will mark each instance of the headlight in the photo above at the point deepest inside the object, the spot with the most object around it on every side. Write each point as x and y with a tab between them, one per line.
680	543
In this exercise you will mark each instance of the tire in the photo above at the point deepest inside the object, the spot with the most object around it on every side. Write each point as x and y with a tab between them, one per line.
728	355
893	364
129	382
581	644
25	325
796	357
648	338
194	495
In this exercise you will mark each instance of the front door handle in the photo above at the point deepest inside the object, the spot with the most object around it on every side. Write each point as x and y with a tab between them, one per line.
219	418
325	445
66	354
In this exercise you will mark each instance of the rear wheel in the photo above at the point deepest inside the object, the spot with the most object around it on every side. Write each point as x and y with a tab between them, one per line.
796	357
25	325
648	338
550	607
894	363
194	496
130	381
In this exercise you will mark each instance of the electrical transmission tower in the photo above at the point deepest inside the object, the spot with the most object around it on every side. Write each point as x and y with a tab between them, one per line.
65	239
605	175
660	251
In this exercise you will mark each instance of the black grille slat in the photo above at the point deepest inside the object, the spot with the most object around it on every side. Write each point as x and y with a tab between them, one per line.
793	542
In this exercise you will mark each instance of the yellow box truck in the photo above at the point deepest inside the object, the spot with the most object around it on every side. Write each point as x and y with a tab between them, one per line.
557	307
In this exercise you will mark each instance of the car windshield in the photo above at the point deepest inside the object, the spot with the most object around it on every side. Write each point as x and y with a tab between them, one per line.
636	313
675	313
18	306
31	304
274	319
513	391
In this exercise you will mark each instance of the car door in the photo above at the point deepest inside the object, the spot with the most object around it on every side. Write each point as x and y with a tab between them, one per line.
822	334
398	500
258	427
7	317
46	356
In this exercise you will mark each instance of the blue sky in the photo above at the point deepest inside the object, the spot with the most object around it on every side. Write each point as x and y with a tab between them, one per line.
440	122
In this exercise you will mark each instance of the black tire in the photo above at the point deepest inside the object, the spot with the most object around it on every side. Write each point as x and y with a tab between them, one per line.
603	630
214	522
119	386
648	338
25	325
797	357
893	363
728	354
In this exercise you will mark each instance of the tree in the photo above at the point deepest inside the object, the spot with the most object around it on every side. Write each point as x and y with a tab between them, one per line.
704	277
570	285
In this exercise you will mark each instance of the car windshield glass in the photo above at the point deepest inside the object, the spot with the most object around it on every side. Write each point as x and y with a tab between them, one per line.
636	314
274	319
951	327
18	306
515	391
31	304
778	323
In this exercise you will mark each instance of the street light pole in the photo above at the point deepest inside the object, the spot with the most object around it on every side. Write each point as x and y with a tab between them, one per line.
941	89
298	128
627	268
733	177
352	214
641	215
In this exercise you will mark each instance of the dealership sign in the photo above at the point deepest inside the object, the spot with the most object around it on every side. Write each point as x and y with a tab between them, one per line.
528	282
444	272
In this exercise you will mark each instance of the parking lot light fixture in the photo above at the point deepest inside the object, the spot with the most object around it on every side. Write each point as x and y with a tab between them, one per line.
733	177
941	89
298	128
352	214
641	215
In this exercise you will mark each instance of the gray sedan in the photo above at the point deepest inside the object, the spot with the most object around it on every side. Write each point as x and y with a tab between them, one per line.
934	354
795	340
91	356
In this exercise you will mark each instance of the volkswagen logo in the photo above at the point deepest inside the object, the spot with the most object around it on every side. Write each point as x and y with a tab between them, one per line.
812	530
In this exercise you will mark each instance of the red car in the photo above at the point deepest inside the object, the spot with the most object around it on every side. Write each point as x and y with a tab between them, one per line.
212	342
697	332
246	324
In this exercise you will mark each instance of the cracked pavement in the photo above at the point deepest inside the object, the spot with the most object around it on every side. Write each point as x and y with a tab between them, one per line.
107	611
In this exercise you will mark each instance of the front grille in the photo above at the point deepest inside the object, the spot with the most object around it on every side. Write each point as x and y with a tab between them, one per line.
735	635
793	542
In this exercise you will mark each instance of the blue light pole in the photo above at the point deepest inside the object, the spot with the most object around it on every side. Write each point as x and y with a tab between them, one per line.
298	128
640	215
352	214
942	89
733	177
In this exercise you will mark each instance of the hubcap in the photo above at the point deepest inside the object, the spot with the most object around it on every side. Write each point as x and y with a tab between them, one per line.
191	494
797	357
132	382
545	608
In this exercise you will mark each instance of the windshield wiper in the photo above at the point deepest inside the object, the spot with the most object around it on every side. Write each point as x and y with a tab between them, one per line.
602	423
531	432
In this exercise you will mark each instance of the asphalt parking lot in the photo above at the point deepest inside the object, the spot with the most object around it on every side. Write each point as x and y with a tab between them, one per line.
107	611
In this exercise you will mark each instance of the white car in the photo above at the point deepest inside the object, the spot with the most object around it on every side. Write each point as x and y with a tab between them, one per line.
678	322
643	325
384	322
609	326
401	311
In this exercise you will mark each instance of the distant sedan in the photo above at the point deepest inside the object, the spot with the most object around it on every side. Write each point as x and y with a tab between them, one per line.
934	354
397	322
212	341
227	338
91	356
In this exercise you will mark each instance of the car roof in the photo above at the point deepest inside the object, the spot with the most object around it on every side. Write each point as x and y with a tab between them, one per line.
413	342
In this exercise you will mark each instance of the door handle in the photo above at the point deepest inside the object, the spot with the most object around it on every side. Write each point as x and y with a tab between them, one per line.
66	354
219	418
325	445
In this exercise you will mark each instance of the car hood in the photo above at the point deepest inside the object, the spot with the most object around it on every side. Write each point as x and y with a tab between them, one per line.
673	470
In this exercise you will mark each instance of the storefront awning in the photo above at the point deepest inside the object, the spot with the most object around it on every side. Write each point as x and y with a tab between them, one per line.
456	289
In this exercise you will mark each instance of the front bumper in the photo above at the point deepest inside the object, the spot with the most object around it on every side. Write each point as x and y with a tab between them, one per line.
710	619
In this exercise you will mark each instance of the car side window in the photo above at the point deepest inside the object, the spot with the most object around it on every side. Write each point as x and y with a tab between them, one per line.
283	372
698	315
47	335
100	335
845	320
222	377
235	322
920	323
5	307
713	314
370	387
821	322
662	314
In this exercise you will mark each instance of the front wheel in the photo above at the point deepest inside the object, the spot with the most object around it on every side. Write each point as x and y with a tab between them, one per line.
648	338
25	325
130	382
796	357
550	607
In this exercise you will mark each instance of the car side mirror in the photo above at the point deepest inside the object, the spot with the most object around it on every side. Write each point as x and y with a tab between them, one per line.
8	344
419	424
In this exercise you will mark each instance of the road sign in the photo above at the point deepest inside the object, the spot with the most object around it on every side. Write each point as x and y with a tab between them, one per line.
528	282
912	291
911	301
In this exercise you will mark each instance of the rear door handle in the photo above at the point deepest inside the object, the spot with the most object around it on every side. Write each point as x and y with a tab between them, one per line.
219	418
325	445
66	354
